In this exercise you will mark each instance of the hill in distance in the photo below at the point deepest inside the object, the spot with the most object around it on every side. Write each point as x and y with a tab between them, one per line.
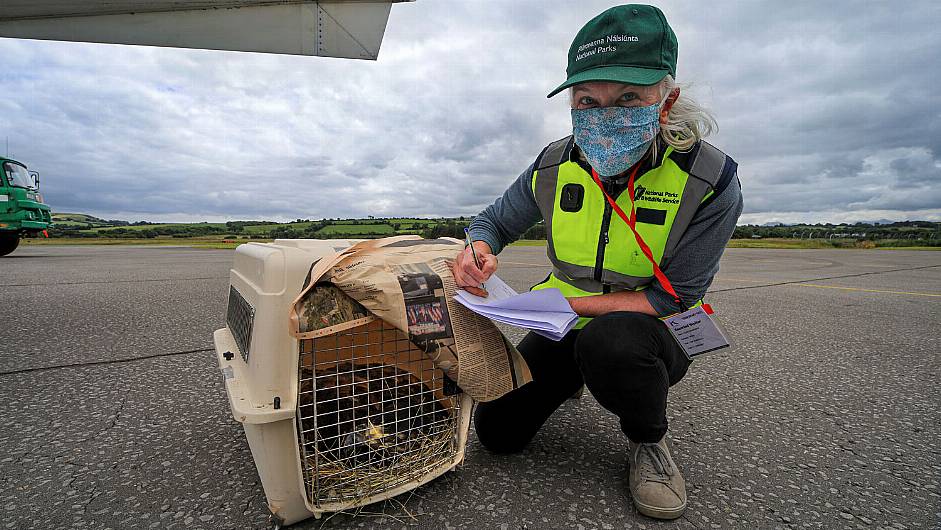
77	225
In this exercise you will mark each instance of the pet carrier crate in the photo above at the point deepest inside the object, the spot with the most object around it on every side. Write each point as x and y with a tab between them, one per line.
337	421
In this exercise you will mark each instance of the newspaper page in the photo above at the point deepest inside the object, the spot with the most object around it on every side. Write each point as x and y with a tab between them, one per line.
407	282
329	310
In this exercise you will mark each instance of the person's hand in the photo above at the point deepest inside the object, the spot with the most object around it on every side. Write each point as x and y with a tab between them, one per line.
466	273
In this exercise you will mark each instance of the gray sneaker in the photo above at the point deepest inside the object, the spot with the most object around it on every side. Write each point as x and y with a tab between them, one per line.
657	486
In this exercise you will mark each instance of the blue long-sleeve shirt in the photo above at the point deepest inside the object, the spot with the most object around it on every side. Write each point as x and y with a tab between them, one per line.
695	261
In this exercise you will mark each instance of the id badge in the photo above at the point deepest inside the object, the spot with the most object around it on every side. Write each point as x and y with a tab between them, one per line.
696	331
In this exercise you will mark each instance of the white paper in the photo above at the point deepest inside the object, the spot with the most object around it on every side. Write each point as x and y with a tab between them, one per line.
545	311
497	291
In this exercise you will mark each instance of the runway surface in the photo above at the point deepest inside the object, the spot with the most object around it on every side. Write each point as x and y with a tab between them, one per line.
827	413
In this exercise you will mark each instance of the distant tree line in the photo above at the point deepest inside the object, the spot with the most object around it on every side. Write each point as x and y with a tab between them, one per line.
181	231
923	233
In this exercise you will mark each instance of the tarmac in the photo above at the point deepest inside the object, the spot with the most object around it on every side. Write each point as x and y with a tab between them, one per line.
826	414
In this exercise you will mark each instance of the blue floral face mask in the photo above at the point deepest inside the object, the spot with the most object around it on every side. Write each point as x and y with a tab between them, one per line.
614	138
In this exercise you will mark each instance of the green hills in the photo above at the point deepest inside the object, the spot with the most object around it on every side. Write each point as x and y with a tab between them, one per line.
78	226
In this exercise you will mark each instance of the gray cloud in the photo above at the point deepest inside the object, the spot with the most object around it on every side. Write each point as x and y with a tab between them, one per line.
830	110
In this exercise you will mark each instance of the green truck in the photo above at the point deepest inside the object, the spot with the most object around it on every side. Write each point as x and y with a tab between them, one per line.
22	212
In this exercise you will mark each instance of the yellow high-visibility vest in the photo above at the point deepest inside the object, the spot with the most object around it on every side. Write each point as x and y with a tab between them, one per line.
595	252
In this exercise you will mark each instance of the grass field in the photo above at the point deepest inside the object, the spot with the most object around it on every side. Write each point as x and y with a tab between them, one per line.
75	217
779	243
157	241
78	220
822	243
139	228
345	229
222	242
95	231
68	225
264	229
341	228
59	222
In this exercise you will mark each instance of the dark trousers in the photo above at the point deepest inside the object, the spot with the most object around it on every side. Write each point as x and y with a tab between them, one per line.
627	360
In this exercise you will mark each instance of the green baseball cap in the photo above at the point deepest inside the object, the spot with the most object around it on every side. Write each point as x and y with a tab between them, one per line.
630	44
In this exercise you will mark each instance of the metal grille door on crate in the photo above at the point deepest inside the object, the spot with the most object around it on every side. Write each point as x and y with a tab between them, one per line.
373	415
240	317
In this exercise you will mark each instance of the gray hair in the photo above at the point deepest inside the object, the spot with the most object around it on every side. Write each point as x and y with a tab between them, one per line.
687	123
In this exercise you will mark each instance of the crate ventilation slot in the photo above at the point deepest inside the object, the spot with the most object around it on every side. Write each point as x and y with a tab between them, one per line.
239	317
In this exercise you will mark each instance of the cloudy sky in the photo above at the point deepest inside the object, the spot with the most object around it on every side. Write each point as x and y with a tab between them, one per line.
832	110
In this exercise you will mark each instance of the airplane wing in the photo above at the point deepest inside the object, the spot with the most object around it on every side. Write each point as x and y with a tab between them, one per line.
330	28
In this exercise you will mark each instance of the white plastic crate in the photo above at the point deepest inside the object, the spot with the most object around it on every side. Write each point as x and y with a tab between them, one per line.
338	421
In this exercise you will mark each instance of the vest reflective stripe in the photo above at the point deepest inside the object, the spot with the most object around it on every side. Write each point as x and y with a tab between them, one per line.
571	290
554	154
707	168
588	285
574	237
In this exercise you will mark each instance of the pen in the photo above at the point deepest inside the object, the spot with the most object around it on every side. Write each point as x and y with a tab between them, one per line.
473	252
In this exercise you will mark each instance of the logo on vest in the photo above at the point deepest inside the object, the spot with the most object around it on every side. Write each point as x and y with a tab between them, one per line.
662	197
639	192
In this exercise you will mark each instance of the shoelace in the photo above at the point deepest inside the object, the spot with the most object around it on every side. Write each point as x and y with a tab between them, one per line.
661	470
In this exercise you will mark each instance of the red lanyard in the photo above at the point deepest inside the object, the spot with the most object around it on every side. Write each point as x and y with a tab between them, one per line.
631	222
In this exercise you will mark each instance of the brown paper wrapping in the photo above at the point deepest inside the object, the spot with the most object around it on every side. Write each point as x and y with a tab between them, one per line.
406	281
